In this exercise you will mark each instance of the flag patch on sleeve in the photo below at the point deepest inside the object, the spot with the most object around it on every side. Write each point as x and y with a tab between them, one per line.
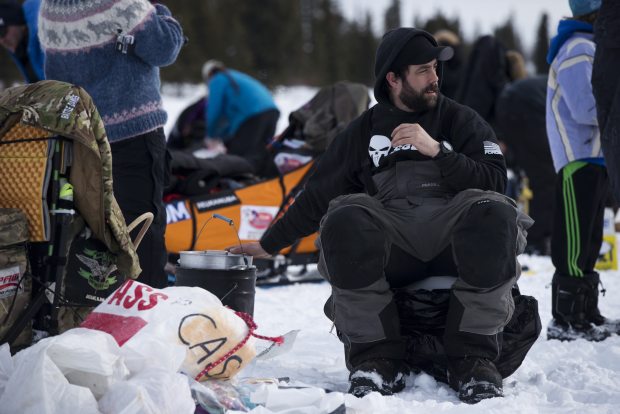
491	148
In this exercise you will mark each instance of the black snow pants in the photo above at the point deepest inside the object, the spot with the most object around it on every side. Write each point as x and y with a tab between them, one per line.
580	195
251	139
367	245
141	171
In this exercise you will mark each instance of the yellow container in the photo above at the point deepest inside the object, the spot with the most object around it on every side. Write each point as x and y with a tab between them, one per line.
608	256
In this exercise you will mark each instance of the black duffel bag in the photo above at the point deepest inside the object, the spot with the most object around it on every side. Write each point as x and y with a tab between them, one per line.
423	318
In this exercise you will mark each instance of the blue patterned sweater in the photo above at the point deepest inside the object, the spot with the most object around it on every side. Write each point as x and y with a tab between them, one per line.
79	41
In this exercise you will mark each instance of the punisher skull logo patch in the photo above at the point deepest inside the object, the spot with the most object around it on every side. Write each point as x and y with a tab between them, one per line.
379	147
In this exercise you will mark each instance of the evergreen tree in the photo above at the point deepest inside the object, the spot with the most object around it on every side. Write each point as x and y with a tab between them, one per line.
307	9
508	36
392	16
542	45
367	54
329	53
440	22
215	31
361	44
272	39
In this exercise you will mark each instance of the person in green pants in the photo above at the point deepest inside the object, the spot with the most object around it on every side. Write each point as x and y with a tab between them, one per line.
582	184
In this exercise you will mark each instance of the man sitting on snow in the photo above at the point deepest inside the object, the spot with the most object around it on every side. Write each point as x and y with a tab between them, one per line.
411	189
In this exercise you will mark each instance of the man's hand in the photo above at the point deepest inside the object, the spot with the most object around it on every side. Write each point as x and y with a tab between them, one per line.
415	135
253	249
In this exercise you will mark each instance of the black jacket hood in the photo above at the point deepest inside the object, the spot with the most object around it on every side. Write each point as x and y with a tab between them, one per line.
391	45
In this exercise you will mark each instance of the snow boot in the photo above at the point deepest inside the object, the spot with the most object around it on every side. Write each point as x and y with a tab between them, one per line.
474	378
574	306
592	312
385	376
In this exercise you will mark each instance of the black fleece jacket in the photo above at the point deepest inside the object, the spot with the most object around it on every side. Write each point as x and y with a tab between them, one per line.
607	26
347	165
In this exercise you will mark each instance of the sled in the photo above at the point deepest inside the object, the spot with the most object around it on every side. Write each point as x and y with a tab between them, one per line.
252	204
252	209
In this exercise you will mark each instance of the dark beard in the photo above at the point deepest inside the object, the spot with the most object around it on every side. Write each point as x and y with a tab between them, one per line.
418	101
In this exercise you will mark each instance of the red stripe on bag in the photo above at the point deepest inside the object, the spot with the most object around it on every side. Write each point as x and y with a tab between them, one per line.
122	328
8	285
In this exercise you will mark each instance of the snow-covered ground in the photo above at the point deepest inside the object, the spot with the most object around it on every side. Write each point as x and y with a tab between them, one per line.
556	377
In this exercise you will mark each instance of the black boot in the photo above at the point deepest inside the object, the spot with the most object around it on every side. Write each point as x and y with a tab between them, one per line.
571	307
474	378
386	376
592	312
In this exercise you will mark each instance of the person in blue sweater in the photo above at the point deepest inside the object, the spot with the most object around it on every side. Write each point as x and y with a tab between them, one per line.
240	112
18	35
114	49
582	184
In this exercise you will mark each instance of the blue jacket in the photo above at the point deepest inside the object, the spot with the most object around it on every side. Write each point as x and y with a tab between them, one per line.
572	127
233	98
33	48
79	39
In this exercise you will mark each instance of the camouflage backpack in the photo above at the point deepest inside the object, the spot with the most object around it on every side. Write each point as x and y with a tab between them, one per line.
96	231
15	277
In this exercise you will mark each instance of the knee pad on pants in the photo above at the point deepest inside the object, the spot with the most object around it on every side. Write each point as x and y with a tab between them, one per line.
485	244
353	246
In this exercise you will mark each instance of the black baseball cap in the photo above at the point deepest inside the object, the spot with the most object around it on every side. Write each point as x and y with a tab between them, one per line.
402	47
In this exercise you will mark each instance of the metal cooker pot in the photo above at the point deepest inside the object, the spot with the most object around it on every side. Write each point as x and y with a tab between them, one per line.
213	259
